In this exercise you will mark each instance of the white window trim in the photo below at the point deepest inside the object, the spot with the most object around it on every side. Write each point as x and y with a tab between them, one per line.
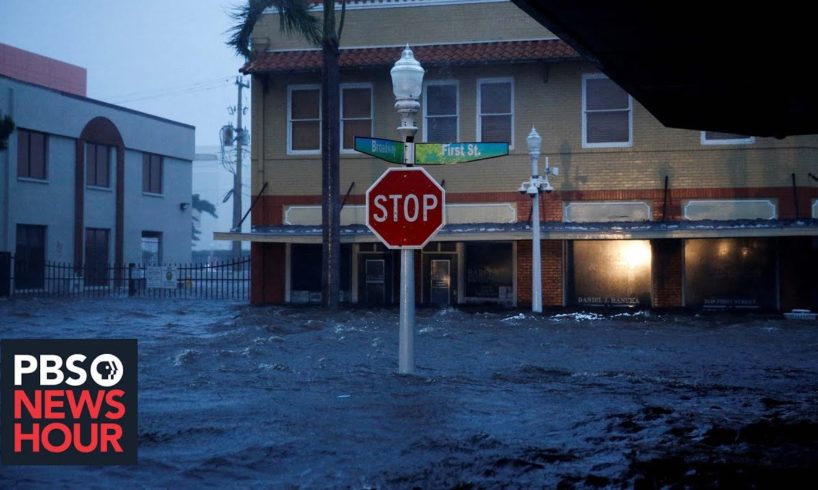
456	105
583	112
351	151
290	89
749	140
482	81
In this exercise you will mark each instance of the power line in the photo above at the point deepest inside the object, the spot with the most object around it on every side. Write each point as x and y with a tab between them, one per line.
195	87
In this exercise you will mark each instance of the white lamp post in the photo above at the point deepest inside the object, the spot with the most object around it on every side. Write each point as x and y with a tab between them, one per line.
407	84
533	187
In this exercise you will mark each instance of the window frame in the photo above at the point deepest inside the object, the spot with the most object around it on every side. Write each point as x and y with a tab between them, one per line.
584	115
479	114
28	132
159	242
745	140
95	146
147	160
290	90
354	85
456	114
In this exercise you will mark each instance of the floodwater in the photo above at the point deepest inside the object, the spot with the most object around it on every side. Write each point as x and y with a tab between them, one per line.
236	396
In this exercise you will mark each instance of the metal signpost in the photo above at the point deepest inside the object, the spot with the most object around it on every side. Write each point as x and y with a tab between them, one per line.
405	207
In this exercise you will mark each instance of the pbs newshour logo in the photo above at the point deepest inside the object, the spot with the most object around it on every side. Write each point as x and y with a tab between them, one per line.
68	401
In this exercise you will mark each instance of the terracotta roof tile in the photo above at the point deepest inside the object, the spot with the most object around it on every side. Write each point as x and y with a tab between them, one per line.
442	54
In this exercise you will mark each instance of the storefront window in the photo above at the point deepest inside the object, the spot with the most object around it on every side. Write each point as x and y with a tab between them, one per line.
730	273
489	270
610	273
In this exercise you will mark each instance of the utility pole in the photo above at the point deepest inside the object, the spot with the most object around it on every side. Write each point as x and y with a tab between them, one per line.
237	190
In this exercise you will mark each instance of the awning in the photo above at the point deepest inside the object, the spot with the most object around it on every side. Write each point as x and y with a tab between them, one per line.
550	231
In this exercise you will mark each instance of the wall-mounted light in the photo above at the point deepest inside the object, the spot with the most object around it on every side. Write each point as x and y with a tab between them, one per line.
184	205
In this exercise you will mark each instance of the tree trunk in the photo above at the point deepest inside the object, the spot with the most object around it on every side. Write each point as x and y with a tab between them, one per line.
330	156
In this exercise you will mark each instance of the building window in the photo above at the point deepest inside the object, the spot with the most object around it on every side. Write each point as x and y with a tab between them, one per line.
96	256
440	112
356	113
151	247
304	119
31	154
607	116
716	138
495	116
489	271
97	165
29	257
152	173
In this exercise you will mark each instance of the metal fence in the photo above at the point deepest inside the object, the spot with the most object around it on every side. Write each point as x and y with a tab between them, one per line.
222	280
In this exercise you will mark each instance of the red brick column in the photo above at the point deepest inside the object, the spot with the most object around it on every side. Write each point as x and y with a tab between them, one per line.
267	273
552	273
667	273
524	273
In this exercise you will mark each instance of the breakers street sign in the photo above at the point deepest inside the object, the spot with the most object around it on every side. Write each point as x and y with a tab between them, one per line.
387	150
448	153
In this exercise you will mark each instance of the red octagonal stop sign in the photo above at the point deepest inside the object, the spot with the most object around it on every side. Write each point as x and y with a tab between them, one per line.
405	207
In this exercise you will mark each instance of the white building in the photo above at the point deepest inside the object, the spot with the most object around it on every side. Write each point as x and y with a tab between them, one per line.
87	182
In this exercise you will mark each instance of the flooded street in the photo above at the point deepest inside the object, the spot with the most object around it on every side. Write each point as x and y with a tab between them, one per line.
236	396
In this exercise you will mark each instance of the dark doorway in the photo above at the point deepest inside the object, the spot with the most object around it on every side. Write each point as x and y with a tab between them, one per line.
375	278
29	257
96	256
440	279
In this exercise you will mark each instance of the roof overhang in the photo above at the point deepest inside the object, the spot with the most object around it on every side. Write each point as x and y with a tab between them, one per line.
464	54
550	231
716	66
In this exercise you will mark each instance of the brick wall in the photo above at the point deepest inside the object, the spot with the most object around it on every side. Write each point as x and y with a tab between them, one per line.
667	273
268	268
552	269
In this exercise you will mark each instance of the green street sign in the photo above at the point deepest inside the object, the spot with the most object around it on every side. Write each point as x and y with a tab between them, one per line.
448	153
387	150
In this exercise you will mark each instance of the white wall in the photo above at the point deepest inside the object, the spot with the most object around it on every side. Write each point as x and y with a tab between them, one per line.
51	203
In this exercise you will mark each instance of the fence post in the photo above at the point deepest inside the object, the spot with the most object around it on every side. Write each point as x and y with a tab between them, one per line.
5	274
131	283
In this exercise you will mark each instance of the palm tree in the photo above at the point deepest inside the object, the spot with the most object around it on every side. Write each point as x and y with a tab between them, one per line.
296	17
202	206
6	128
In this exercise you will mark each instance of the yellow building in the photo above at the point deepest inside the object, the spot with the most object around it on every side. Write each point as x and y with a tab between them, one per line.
641	215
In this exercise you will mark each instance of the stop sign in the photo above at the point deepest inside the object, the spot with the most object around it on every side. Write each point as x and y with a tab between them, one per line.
405	207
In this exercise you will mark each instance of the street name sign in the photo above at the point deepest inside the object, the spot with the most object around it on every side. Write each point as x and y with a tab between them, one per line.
405	207
449	153
387	150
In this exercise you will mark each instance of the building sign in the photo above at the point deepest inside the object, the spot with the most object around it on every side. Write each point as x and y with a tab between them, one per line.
162	277
448	153
68	402
730	273
610	273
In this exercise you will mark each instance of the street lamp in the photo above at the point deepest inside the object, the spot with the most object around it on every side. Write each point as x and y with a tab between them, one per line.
407	84
533	187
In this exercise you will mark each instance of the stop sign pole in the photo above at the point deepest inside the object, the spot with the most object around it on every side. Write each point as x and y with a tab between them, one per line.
407	84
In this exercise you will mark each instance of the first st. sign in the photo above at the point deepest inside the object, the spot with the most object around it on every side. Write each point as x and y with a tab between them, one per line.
405	207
